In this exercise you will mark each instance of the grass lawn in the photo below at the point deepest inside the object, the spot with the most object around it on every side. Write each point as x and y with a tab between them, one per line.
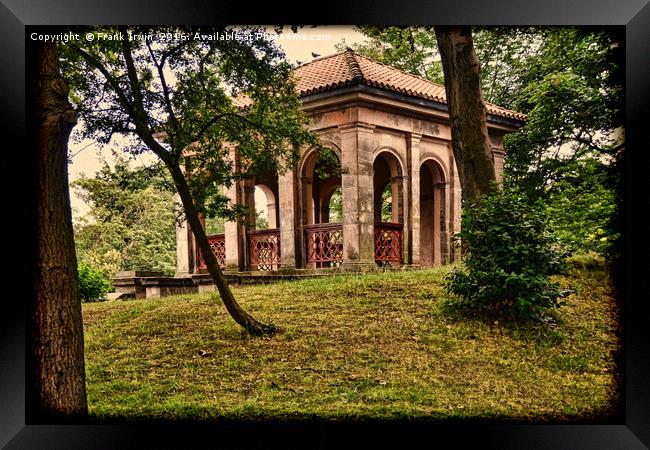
371	346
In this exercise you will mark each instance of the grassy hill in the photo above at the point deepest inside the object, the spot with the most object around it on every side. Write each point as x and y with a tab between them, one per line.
352	347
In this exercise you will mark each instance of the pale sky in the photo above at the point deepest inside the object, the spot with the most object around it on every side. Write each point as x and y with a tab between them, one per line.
87	157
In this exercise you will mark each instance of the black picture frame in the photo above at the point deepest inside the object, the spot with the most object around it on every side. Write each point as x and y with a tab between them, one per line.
633	431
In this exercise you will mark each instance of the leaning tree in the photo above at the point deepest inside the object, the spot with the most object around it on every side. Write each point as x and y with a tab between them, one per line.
190	95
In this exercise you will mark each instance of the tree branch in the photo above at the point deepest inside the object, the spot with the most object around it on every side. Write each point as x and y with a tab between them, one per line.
168	104
124	101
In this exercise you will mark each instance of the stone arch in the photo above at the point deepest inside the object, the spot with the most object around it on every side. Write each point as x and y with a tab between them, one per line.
442	165
315	193
396	161
433	206
388	170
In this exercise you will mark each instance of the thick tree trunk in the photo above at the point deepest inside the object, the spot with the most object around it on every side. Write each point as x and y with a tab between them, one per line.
56	351
467	112
250	324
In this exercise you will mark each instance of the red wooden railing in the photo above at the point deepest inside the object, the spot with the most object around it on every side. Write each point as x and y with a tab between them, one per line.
388	243
264	249
218	244
324	244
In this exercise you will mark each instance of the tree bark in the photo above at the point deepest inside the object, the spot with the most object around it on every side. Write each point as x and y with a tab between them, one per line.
56	349
250	324
467	113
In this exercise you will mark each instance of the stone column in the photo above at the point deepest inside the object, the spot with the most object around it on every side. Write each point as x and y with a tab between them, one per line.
184	246
271	215
249	200
232	233
406	220
498	153
287	193
445	233
357	144
233	229
308	200
498	156
454	206
413	145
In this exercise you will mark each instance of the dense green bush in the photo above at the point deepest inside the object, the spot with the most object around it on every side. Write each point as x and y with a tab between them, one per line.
508	255
93	284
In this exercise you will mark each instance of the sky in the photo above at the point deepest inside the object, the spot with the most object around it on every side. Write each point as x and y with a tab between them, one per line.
87	157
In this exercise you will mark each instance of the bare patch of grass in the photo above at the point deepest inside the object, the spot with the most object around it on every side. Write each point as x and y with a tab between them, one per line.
371	346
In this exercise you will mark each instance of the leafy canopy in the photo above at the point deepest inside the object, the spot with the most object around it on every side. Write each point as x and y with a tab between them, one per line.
201	97
131	222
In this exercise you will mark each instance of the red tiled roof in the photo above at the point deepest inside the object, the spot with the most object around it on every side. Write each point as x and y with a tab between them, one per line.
346	67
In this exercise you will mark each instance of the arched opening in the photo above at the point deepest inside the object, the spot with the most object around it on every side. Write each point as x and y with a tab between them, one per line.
266	211
432	206
387	184
320	177
388	209
335	205
262	232
321	212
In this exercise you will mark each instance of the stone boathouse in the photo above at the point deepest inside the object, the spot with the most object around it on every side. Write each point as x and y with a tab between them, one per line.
390	131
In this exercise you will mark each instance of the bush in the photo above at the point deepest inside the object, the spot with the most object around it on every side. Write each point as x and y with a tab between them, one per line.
93	284
508	255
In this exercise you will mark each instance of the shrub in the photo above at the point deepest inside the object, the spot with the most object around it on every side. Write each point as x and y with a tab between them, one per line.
507	258
93	284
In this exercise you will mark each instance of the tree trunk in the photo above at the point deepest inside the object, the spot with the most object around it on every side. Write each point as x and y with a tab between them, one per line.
250	324
56	370
467	112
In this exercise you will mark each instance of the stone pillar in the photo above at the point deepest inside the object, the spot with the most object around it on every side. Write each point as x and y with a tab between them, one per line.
184	246
397	200
308	200
498	156
454	206
249	200
232	233
413	146
271	215
406	220
446	255
233	229
287	193
357	144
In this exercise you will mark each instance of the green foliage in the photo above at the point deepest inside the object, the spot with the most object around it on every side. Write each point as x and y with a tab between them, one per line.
336	206
131	224
261	222
327	165
570	84
581	205
214	225
508	257
210	94
387	204
93	284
